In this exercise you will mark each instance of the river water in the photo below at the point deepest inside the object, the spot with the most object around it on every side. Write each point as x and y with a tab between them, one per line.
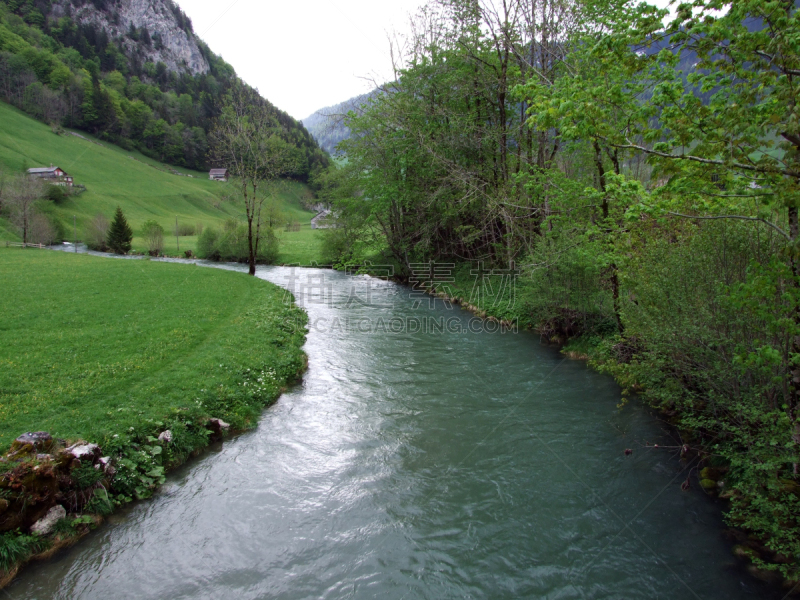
412	463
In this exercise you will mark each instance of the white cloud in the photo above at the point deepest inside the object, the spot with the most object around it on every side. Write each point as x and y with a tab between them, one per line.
303	55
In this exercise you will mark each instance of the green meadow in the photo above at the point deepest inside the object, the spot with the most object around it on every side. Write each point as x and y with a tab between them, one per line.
144	188
91	346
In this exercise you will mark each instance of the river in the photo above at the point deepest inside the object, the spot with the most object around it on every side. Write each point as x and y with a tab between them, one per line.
412	463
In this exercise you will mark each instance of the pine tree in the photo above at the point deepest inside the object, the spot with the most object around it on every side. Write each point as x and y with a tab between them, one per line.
120	234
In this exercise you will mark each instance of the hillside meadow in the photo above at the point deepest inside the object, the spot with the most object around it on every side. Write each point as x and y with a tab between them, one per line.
145	189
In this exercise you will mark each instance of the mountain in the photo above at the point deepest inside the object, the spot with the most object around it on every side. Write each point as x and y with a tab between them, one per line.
132	72
327	124
133	21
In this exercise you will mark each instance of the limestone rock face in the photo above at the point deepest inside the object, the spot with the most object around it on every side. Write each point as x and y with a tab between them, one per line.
180	51
45	525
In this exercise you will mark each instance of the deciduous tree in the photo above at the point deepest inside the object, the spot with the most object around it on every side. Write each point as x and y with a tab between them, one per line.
246	139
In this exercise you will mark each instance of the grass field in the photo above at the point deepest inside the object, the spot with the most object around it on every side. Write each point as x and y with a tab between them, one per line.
142	187
91	347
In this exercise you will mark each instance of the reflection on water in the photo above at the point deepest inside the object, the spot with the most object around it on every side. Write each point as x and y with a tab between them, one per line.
414	464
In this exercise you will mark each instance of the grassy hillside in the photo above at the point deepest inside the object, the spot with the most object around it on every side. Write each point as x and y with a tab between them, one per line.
144	188
90	347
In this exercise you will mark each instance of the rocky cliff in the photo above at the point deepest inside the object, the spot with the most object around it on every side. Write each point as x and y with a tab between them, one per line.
173	42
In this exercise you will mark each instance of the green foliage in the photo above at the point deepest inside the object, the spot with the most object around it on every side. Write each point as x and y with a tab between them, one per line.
86	476
231	245
15	547
153	235
54	193
120	234
99	504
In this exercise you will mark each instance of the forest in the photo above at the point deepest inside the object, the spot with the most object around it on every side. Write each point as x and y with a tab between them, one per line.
639	168
72	74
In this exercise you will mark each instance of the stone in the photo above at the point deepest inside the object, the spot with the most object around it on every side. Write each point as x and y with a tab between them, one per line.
87	452
45	525
708	484
41	440
218	428
165	437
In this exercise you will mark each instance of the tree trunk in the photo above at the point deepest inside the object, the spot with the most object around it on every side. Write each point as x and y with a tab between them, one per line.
613	277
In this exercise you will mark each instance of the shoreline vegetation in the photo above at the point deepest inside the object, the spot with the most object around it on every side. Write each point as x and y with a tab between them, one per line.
112	373
505	304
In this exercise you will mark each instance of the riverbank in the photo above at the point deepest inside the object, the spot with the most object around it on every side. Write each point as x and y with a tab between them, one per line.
719	470
128	368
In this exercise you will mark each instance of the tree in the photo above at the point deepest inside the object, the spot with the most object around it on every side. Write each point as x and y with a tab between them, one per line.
96	233
246	138
23	192
120	234
153	235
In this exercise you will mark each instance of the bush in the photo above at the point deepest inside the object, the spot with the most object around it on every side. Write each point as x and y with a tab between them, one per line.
153	235
231	245
207	244
55	193
96	233
184	230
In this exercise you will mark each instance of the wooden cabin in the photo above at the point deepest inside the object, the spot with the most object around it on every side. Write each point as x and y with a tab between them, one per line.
218	174
53	175
324	220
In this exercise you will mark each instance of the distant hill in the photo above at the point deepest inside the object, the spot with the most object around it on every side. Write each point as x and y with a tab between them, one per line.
144	188
327	124
128	71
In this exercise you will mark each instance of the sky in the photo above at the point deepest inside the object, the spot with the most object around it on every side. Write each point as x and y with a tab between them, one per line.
307	54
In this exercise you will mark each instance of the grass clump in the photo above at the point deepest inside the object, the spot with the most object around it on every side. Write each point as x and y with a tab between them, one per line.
16	547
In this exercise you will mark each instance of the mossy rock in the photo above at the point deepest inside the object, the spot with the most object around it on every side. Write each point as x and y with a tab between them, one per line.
711	473
708	485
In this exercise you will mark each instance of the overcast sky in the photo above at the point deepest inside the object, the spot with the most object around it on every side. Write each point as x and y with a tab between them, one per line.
303	55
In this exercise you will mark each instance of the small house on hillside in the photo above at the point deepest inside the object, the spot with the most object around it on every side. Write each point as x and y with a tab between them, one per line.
53	175
324	220
218	174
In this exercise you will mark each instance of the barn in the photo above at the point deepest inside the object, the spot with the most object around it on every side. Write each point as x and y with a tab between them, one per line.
218	174
53	175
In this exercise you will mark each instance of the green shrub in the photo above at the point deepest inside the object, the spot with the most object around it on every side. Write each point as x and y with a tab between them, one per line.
15	547
153	235
96	233
207	244
231	245
55	193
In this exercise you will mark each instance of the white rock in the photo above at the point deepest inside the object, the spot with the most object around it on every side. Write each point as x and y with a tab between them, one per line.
84	451
45	525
